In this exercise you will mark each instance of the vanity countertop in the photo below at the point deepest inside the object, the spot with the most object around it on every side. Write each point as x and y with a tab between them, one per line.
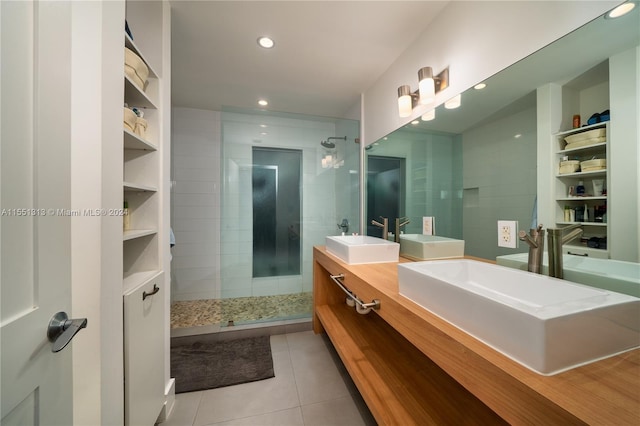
602	392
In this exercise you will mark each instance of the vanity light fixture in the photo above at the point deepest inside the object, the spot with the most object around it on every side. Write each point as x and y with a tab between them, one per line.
620	10
428	86
266	42
429	115
454	102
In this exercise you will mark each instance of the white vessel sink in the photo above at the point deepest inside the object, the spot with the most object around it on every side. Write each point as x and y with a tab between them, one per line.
546	324
607	274
355	249
425	247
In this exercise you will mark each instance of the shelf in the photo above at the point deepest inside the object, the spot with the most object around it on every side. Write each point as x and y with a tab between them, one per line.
594	173
594	147
397	381
137	279
133	187
134	97
602	198
602	224
133	141
581	129
128	42
132	234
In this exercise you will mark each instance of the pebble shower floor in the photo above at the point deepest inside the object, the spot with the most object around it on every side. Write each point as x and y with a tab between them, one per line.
240	310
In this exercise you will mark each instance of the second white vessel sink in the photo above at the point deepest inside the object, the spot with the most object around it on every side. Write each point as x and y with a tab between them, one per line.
356	249
546	324
607	274
426	247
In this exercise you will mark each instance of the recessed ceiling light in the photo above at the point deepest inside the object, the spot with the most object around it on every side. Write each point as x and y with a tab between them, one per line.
265	42
263	126
264	133
623	9
517	135
262	102
480	86
414	122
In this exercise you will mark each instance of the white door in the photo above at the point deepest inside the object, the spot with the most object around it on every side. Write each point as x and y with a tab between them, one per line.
34	192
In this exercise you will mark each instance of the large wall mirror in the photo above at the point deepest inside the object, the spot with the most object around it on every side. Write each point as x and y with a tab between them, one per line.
477	164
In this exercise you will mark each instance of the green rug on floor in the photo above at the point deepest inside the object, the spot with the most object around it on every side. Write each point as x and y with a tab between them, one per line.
204	365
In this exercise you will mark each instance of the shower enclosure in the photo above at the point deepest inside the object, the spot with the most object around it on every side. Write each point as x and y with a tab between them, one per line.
280	183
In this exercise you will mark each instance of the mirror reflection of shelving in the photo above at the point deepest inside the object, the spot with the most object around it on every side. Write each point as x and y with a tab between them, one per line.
581	186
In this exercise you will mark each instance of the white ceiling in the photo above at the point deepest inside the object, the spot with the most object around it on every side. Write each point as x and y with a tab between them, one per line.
326	52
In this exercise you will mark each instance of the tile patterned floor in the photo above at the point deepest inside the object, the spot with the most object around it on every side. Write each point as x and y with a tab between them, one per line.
310	387
240	310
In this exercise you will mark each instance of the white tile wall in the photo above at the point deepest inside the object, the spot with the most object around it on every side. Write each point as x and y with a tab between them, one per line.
195	204
500	177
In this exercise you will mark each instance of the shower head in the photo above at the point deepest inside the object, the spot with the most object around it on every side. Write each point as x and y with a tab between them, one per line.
330	145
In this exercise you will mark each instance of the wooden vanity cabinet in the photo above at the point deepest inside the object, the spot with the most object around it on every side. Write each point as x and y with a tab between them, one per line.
412	367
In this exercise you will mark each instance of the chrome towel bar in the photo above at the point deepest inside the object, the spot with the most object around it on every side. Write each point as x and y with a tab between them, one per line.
361	307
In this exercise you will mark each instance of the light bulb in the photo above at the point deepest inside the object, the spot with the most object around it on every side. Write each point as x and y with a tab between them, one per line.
426	85
454	102
405	106
429	115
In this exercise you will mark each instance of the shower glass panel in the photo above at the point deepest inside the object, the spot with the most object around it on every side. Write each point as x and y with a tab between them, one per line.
276	211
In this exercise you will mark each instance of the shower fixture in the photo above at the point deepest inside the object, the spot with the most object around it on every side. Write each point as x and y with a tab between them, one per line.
330	157
330	145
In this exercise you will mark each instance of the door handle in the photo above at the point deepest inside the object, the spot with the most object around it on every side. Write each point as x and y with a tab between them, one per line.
62	329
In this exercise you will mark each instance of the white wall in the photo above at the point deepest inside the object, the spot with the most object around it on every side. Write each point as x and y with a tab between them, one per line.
624	77
97	242
475	39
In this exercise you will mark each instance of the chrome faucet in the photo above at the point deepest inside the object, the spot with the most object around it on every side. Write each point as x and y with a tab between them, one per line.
384	225
400	221
557	238
535	240
344	226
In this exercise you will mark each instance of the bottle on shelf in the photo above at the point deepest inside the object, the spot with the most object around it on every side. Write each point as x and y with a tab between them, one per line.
586	213
580	189
576	121
126	218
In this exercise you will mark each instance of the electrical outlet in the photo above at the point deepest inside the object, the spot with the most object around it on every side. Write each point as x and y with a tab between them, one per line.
507	233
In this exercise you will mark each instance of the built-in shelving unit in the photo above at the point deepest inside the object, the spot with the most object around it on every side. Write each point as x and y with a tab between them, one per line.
141	179
595	227
143	276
